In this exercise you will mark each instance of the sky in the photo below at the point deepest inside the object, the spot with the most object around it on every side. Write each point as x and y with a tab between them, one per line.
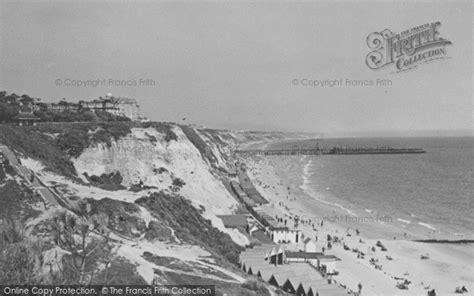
242	65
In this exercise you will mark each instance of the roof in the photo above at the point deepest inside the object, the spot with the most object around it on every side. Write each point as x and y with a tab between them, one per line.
261	236
305	255
234	220
329	257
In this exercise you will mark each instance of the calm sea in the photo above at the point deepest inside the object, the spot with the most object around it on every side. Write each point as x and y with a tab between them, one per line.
433	192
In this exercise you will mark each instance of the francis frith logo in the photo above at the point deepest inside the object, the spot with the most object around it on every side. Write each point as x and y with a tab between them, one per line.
407	49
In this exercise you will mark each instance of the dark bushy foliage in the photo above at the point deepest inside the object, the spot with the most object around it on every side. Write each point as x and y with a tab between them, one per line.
38	146
177	184
189	225
121	271
71	140
199	143
112	181
6	169
74	139
122	216
18	201
163	128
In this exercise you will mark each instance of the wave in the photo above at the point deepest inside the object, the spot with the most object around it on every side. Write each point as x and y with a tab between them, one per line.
306	175
404	221
427	226
315	195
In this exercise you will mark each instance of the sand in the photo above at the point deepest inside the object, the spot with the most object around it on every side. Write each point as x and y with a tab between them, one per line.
449	265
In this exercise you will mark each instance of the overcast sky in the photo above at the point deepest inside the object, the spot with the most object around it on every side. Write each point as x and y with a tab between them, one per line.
232	64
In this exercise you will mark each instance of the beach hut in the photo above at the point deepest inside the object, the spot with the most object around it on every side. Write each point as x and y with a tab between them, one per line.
283	234
304	290
289	286
310	257
232	172
250	271
327	263
309	245
276	256
300	291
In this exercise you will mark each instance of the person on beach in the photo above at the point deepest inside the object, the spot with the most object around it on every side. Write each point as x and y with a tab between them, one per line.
359	286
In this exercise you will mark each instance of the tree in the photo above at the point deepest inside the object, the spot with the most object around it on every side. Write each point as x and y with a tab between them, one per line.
86	240
26	100
8	112
20	258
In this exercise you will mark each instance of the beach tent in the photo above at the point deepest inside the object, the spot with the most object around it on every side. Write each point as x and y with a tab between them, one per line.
331	290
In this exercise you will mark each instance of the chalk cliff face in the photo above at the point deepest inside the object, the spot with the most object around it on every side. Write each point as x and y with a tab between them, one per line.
145	157
163	216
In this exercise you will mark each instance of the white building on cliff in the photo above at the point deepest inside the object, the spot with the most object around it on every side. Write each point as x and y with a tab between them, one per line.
124	107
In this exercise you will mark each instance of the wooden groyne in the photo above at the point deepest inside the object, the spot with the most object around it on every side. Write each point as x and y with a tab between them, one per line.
332	151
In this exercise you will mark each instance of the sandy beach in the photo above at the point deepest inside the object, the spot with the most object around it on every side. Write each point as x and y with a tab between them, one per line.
449	265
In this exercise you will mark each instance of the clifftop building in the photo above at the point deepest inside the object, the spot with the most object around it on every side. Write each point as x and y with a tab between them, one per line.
115	105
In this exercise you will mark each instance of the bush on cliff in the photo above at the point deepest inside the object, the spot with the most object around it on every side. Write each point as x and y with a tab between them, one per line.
199	143
163	128
112	181
38	146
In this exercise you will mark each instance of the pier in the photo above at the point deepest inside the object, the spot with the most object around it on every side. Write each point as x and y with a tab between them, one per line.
331	151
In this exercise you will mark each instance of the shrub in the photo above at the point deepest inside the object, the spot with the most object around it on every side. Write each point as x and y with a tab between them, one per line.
177	184
163	128
199	143
112	181
38	146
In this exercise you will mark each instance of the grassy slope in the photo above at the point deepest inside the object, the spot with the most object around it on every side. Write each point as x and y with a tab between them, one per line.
189	225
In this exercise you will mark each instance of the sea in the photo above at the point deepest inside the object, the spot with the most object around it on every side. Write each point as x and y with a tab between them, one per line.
431	192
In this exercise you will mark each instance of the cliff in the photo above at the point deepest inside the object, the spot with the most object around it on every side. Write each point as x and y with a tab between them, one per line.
158	189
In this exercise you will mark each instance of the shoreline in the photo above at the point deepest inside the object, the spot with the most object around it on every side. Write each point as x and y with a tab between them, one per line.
444	241
448	267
